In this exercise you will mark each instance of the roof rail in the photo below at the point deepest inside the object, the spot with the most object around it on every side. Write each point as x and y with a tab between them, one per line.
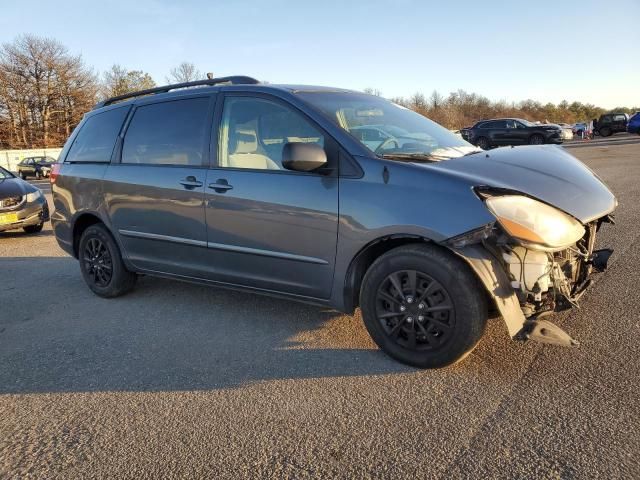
233	80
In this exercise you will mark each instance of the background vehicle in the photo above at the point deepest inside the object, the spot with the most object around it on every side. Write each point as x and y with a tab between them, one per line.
510	131
331	197
567	131
611	123
21	204
579	128
633	126
38	167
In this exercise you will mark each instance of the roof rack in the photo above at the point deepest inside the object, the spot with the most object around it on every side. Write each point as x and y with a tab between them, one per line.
233	80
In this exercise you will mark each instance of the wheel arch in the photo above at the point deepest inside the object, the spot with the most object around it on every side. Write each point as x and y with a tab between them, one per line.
80	224
361	262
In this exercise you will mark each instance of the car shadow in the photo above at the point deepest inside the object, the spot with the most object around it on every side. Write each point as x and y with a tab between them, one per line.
165	335
21	233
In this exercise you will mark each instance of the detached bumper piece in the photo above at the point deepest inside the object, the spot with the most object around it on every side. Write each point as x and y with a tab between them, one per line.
546	332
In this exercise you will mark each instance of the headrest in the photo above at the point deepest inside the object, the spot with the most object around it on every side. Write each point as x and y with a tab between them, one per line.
244	142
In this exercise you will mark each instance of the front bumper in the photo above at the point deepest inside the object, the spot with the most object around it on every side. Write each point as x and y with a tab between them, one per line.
32	213
523	306
555	139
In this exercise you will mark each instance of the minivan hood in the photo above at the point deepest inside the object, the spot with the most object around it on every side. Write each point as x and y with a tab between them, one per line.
547	173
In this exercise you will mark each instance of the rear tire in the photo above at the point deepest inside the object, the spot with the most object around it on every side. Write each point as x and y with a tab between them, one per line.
423	306
483	143
536	139
34	228
101	263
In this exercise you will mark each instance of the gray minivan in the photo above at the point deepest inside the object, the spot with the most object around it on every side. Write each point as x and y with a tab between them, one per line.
331	197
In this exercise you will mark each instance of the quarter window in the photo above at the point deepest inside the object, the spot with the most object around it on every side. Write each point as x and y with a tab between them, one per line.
254	131
167	133
97	137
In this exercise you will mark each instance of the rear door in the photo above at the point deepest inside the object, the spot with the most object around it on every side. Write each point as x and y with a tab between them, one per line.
155	188
268	227
499	133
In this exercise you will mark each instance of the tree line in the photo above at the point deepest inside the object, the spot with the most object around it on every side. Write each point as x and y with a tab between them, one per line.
462	109
45	90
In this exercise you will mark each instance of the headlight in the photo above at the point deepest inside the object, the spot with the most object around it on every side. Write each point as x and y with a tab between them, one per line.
535	222
33	196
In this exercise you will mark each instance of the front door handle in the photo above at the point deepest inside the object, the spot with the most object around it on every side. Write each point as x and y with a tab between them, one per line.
190	182
220	185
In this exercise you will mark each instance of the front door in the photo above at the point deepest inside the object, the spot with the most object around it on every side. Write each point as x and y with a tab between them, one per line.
268	227
155	193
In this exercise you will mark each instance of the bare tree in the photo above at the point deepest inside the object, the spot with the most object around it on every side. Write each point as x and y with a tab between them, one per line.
44	91
118	81
185	72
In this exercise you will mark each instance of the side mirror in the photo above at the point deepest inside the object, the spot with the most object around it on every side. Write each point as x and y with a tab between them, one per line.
303	157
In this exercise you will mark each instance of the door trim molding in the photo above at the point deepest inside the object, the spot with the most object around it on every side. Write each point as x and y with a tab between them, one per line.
223	246
165	238
266	253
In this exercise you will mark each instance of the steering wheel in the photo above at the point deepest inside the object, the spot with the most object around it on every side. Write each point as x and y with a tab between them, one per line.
385	143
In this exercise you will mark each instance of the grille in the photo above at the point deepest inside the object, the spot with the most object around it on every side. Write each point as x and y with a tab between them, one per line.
10	202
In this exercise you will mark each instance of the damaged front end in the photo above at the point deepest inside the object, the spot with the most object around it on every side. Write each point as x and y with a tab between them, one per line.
529	280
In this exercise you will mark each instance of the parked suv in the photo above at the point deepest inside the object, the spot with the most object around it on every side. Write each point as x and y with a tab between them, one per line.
611	123
331	197
38	167
511	131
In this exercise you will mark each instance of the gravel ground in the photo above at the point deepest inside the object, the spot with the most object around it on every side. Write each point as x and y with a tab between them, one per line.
177	380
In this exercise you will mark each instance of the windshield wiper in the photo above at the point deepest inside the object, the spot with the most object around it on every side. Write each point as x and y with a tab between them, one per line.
413	157
473	152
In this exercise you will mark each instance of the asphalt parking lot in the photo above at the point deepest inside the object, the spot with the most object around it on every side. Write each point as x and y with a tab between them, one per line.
176	380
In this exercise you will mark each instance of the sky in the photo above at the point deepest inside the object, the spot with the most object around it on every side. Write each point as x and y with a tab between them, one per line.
586	51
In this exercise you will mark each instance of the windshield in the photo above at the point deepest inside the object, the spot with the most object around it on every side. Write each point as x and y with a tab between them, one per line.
387	129
5	174
526	122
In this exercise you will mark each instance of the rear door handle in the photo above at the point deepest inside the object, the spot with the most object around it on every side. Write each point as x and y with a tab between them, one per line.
221	185
190	182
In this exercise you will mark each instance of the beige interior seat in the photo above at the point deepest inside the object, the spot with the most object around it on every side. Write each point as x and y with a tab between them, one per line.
245	152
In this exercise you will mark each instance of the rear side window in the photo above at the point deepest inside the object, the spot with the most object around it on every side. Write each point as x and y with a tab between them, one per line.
167	133
619	118
97	137
494	124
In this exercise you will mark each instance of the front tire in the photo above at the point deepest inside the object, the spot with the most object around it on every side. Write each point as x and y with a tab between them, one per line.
483	143
22	175
605	132
536	139
101	263
423	306
34	228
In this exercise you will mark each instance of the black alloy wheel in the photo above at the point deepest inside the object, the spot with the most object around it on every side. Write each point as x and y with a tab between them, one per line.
101	263
415	310
423	305
536	139
97	262
483	143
